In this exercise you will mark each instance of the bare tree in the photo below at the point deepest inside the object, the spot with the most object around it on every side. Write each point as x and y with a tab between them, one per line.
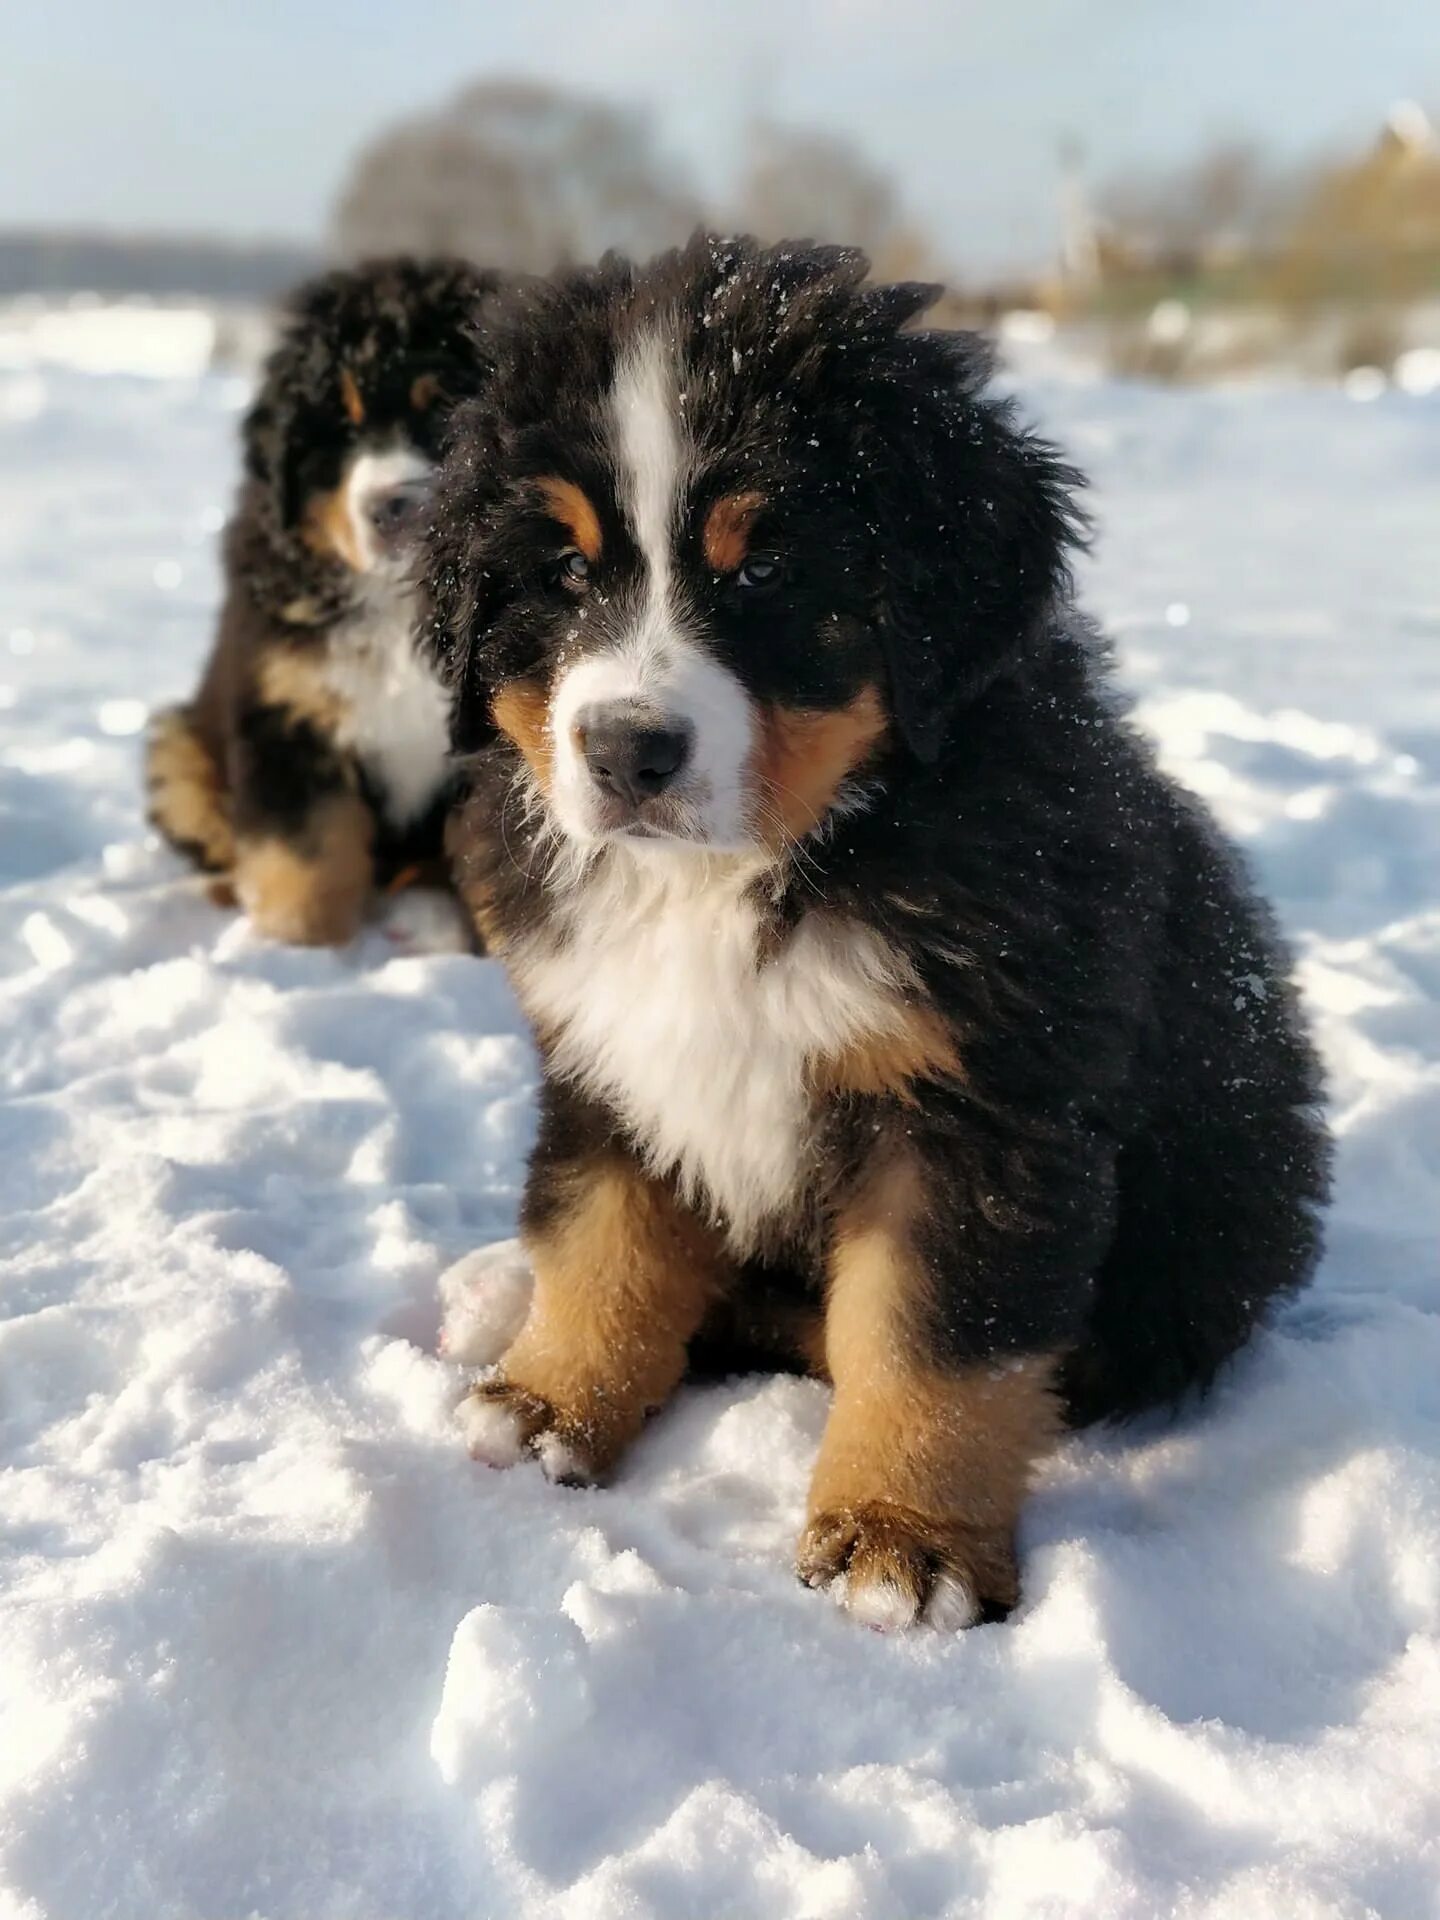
815	186
517	175
1225	199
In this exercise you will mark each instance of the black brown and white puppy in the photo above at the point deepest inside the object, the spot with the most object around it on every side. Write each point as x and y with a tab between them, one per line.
312	762
894	1009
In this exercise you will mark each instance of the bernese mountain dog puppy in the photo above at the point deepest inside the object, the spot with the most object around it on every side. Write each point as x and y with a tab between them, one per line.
312	763
895	1012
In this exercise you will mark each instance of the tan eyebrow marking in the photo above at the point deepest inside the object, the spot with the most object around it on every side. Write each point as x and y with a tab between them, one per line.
350	397
424	391
726	538
568	504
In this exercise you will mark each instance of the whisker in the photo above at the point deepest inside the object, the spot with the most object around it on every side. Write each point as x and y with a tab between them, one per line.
802	855
806	866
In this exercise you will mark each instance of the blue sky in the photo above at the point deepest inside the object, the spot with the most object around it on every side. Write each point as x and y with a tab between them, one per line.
240	117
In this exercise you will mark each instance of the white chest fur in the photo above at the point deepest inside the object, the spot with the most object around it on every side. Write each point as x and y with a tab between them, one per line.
396	713
660	1003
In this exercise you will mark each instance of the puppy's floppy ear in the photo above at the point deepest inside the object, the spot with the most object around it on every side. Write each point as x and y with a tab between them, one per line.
972	516
461	596
272	456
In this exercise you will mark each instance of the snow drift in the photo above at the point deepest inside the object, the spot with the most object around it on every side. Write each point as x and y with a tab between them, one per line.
271	1644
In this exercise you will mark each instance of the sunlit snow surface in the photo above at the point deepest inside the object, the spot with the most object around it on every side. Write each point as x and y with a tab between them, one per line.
272	1645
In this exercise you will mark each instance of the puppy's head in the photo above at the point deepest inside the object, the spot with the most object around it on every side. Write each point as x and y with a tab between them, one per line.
345	432
722	534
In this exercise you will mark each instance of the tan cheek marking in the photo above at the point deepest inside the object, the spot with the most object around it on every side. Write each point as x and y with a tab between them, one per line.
572	507
350	398
918	1047
521	710
311	891
188	801
296	682
328	530
726	537
804	756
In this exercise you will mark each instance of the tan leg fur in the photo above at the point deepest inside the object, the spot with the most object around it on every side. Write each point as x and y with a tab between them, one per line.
922	1469
622	1281
312	892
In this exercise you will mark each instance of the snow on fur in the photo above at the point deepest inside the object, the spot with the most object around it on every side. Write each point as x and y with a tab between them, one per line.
272	1644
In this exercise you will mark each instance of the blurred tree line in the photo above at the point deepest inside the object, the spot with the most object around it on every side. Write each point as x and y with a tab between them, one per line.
1354	240
525	176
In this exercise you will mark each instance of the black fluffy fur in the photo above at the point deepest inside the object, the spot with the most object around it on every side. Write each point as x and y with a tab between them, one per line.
1131	1165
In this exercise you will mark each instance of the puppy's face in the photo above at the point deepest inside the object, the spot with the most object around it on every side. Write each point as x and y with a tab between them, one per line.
704	674
361	466
678	549
344	435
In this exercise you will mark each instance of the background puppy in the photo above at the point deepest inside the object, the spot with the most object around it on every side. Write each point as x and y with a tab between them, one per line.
312	761
893	1007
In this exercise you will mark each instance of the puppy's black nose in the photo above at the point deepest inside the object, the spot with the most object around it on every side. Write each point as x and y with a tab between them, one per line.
631	754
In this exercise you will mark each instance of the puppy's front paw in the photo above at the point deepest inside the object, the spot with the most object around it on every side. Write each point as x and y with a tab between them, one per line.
503	1423
288	901
890	1568
311	889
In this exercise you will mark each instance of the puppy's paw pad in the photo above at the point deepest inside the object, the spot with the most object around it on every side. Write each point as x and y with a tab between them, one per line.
503	1424
952	1605
879	1604
890	1569
561	1462
494	1430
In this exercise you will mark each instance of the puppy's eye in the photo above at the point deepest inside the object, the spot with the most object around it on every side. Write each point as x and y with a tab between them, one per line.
760	571
572	570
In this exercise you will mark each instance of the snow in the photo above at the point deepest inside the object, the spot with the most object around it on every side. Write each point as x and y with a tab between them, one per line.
272	1644
99	337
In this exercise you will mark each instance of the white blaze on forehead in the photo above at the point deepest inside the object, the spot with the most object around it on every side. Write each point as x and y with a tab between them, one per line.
655	663
645	405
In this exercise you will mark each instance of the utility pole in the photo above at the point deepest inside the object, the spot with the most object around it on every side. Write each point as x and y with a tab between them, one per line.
1079	234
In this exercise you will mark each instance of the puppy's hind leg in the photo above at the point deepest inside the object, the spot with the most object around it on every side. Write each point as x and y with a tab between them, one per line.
186	795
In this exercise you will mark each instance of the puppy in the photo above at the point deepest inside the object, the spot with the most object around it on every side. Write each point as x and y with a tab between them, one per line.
897	1016
312	763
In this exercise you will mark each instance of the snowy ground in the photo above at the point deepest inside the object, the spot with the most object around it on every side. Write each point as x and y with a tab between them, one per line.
271	1645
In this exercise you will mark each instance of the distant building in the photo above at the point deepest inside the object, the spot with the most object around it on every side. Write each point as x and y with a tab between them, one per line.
1408	133
1080	250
